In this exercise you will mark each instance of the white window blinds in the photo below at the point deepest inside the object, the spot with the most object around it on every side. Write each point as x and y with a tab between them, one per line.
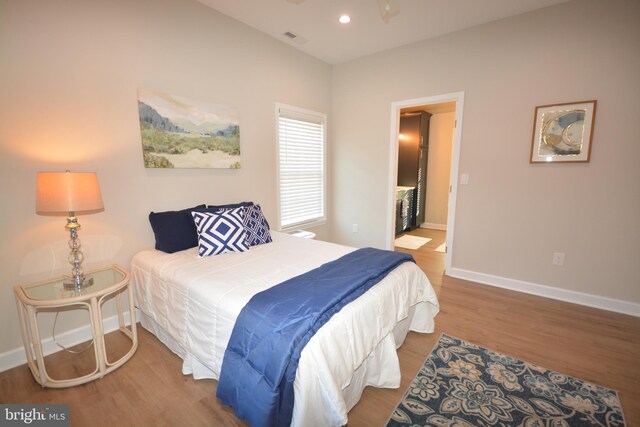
301	166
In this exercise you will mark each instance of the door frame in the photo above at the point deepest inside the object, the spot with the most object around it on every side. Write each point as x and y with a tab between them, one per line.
458	98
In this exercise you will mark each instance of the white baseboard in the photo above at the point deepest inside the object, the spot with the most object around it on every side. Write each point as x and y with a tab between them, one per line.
16	357
575	297
433	226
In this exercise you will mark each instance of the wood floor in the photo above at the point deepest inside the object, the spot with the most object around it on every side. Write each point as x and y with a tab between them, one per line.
150	390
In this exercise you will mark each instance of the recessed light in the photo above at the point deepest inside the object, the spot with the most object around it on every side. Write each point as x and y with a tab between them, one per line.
345	19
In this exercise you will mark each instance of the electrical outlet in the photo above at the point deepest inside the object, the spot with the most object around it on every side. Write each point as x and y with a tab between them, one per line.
354	228
558	259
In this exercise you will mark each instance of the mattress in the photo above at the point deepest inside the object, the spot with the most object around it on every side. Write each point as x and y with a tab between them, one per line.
191	304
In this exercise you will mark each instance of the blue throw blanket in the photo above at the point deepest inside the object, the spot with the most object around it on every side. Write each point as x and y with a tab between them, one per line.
260	362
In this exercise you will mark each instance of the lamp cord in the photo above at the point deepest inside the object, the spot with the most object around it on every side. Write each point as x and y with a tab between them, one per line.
67	349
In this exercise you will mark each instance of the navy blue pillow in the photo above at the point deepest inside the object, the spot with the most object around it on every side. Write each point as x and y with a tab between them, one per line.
256	226
175	230
213	208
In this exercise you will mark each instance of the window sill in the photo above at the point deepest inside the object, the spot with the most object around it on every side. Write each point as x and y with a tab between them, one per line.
303	234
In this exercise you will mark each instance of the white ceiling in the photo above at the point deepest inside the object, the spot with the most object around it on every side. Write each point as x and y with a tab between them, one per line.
332	42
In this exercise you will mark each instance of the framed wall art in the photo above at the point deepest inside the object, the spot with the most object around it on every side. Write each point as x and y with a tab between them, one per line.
563	132
178	132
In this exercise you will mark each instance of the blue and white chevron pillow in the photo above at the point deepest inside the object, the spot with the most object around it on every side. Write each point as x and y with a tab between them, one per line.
256	226
221	232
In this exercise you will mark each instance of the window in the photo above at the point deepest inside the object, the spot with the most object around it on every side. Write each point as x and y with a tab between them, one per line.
301	167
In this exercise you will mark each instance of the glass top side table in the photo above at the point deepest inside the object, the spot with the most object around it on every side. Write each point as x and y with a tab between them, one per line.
108	282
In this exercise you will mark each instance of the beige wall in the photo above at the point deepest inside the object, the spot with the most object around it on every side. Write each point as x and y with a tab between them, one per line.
68	79
439	168
512	216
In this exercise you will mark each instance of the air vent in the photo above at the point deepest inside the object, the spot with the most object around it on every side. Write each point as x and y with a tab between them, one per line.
295	37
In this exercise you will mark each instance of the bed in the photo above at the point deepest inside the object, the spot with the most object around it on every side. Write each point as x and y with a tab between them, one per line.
191	304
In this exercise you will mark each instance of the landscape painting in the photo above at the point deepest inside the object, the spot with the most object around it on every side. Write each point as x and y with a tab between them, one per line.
182	133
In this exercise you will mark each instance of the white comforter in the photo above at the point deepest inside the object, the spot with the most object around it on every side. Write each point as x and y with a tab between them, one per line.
191	304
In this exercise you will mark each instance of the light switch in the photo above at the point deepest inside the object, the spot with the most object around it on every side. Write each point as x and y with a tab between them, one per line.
464	179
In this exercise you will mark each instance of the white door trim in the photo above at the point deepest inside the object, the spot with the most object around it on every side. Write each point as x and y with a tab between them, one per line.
458	98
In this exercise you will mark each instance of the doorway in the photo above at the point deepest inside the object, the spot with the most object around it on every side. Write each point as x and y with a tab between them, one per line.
445	107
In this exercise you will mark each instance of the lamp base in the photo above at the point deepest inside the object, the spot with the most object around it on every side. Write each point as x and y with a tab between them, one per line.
82	282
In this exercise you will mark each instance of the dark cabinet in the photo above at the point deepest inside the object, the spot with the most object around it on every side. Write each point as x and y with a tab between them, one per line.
413	151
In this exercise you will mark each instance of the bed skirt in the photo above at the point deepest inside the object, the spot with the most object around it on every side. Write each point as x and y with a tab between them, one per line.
380	369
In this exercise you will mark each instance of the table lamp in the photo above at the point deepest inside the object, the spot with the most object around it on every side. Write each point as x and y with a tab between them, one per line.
70	193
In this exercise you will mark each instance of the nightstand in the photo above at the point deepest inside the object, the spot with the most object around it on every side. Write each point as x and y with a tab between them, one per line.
51	295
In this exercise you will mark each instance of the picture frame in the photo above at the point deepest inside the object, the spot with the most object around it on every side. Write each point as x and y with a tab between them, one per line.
179	132
563	132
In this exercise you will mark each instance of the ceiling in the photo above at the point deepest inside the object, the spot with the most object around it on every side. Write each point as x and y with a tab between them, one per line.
316	21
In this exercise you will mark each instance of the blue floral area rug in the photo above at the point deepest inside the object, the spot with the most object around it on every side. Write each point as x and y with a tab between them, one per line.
464	385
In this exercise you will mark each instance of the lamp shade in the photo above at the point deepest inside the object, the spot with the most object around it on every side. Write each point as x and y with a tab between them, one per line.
76	192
